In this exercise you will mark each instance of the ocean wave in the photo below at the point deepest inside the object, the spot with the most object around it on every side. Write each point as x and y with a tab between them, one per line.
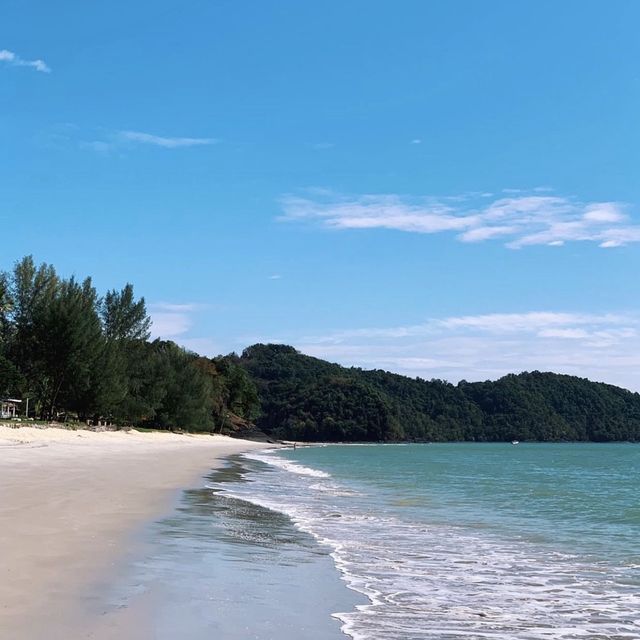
286	465
427	581
334	489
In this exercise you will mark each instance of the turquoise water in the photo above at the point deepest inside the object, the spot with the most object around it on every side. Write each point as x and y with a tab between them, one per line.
534	541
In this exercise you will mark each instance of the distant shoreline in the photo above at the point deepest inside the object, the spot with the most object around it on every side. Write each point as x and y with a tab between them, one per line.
18	427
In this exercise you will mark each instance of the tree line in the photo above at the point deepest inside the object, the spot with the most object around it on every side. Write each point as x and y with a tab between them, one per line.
304	398
78	355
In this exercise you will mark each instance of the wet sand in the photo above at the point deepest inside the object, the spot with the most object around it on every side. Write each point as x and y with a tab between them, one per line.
70	504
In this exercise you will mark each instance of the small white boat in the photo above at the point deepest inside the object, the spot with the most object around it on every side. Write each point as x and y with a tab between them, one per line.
515	442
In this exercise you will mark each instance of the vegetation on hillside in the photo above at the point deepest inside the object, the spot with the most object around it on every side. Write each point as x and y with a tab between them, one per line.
81	356
309	399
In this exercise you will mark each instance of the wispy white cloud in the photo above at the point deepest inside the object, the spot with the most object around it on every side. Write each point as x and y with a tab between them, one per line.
603	347
140	137
534	321
518	219
107	142
416	141
14	60
176	321
169	325
172	307
275	276
171	320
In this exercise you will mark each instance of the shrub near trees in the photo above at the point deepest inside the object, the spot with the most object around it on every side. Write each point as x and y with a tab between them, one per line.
78	355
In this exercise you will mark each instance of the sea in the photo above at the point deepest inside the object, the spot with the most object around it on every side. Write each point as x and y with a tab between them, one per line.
410	541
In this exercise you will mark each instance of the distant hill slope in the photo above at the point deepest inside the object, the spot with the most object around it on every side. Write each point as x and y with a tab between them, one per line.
305	398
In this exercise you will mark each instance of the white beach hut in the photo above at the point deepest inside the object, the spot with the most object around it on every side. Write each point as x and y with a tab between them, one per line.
9	407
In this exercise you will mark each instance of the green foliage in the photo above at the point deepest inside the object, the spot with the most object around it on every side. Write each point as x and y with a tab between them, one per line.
308	399
11	380
185	400
81	357
548	406
68	341
29	292
124	317
78	356
143	383
238	393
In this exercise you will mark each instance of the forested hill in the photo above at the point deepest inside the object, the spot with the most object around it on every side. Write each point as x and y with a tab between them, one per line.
305	398
73	355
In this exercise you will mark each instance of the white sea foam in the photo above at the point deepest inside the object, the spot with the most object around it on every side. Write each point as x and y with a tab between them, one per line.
292	467
438	581
333	488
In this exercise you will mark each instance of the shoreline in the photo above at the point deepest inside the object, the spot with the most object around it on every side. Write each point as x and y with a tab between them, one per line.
224	567
70	504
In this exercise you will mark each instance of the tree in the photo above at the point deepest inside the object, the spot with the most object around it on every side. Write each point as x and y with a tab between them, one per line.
29	291
125	326
124	318
186	402
69	343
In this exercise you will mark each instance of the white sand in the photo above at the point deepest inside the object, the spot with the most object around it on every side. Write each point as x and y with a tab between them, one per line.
69	502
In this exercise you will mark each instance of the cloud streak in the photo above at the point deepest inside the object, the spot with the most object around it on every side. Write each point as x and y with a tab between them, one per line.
603	347
138	137
175	321
112	141
14	60
171	320
168	325
518	219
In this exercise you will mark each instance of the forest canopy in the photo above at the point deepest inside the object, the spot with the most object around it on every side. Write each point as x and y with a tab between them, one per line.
305	398
78	355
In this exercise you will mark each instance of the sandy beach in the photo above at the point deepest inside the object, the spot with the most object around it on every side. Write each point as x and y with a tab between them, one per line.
70	504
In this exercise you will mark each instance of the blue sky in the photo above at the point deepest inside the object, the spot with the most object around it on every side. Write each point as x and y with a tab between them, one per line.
445	189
